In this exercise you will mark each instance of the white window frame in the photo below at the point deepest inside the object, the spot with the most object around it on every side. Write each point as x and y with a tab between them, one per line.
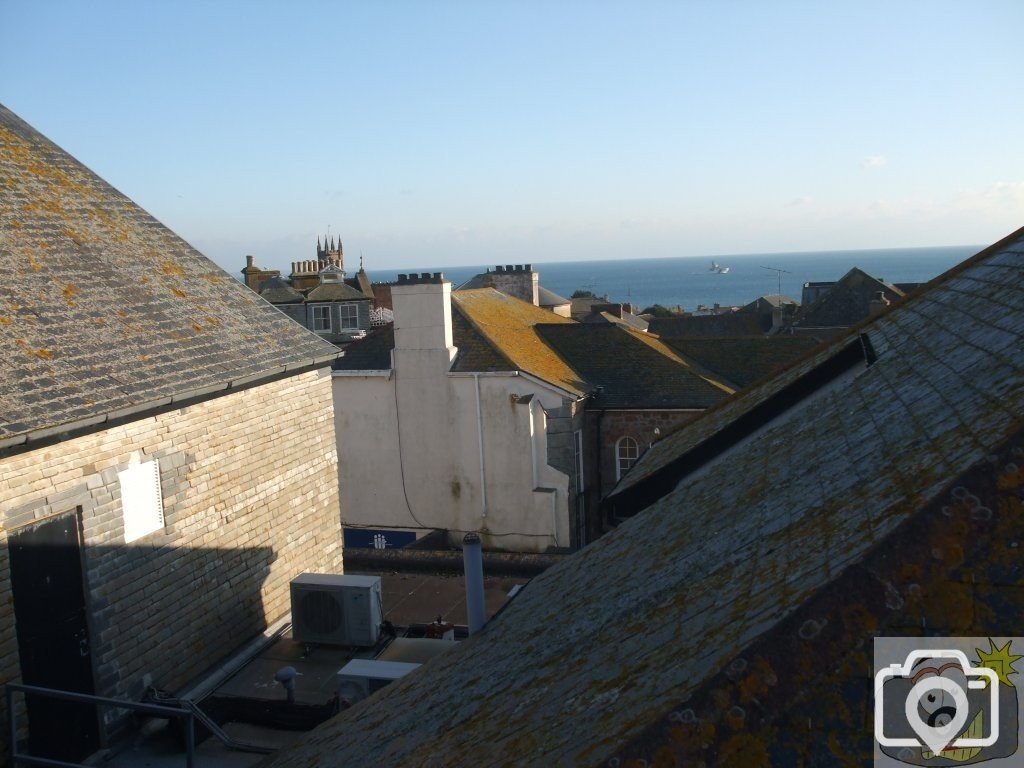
142	501
349	315
625	446
317	314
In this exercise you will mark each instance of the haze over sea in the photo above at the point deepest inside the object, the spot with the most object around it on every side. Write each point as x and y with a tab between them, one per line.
688	281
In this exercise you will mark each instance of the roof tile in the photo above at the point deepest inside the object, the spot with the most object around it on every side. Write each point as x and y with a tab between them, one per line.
90	279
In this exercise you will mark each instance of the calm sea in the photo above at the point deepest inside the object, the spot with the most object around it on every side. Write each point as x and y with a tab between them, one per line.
688	281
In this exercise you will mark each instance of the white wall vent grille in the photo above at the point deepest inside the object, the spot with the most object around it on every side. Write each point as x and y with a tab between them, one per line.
142	502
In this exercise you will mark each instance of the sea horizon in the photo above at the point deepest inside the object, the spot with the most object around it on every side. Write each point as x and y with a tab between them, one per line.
690	281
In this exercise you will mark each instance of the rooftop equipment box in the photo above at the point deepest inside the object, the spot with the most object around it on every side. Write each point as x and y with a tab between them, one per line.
336	609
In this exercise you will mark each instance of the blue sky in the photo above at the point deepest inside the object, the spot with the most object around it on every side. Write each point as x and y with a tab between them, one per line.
448	133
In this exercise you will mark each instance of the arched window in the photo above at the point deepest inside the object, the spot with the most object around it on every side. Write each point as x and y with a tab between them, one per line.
626	453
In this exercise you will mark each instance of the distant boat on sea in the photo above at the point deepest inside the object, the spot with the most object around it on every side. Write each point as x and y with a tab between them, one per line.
718	268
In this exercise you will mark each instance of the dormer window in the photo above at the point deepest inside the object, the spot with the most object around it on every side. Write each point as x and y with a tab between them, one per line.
321	318
331	274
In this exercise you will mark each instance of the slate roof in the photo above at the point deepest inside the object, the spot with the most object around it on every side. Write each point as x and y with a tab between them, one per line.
476	353
104	309
617	316
741	605
277	291
546	298
847	302
361	282
370	353
496	332
765	304
745	360
509	326
480	280
336	292
732	325
771	299
632	369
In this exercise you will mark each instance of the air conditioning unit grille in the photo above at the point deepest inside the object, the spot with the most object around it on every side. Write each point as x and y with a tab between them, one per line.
321	612
336	609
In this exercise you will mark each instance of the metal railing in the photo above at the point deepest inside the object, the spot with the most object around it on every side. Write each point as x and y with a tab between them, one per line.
84	698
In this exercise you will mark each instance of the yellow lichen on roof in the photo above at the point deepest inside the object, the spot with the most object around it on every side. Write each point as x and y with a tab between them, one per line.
508	324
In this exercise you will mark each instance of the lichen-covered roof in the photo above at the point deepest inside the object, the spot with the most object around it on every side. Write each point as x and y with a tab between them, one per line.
653	642
632	369
847	302
509	326
103	308
476	353
745	360
336	292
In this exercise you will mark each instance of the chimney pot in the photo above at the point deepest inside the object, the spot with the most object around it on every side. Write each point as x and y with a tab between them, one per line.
508	268
425	275
250	261
529	267
499	268
439	276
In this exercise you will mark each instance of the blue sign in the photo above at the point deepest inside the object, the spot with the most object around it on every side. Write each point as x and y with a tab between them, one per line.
372	538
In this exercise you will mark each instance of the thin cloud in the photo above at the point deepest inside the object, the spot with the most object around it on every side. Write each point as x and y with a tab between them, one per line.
875	161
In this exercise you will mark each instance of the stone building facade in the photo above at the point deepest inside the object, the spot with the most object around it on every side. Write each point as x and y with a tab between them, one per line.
250	500
167	463
454	435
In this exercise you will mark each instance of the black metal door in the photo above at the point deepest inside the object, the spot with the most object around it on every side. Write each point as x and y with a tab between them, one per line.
53	639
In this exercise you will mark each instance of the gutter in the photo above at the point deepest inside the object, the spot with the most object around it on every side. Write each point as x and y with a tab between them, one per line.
385	373
40	438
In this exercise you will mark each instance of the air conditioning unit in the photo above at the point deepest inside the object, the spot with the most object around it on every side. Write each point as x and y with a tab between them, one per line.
336	609
363	677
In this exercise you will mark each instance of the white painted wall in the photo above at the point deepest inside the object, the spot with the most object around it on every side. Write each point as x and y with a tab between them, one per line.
409	444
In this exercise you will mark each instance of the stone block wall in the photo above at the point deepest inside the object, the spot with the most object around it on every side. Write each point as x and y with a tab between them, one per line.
250	500
639	425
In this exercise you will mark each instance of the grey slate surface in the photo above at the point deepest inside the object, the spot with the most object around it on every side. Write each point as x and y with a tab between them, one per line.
103	308
277	291
546	298
336	292
631	369
616	638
